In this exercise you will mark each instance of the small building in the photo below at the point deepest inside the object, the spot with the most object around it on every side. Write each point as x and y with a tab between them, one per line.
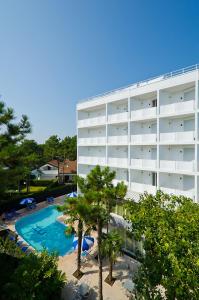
53	169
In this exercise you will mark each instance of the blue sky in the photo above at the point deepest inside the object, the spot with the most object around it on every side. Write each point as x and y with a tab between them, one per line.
56	52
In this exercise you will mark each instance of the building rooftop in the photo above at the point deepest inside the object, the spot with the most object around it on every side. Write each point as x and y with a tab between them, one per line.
146	82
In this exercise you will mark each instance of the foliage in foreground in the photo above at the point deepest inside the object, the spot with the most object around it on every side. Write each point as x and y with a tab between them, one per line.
31	277
170	264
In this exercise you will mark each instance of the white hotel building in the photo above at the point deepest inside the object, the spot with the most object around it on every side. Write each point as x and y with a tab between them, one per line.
146	132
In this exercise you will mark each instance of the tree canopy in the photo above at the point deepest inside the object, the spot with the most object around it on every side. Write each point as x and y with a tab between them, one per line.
168	226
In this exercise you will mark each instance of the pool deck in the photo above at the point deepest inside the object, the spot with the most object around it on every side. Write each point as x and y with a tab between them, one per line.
123	270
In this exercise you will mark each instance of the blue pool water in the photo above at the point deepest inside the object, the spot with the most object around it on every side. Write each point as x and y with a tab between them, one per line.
41	230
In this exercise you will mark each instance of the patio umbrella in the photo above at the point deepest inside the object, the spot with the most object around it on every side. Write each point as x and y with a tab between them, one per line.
129	285
26	201
87	242
72	195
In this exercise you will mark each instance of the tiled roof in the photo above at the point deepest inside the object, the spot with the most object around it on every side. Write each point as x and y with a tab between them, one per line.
66	167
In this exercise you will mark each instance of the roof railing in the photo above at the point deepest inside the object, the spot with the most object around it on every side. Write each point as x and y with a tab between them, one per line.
145	82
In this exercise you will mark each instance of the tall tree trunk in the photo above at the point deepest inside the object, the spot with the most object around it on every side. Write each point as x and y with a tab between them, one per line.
99	232
79	250
110	269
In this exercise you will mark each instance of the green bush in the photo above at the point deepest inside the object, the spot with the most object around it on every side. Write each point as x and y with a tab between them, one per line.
43	182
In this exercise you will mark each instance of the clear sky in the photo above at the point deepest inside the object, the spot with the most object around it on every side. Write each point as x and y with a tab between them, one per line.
56	52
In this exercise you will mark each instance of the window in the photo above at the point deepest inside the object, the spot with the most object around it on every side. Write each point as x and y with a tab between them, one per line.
154	179
154	103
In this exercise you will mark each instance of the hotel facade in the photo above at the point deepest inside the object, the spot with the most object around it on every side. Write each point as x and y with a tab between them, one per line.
146	132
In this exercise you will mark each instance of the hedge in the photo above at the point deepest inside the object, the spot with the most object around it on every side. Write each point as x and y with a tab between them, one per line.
10	203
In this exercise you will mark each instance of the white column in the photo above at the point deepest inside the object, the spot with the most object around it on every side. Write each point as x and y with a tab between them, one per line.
129	142
106	160
158	139
196	137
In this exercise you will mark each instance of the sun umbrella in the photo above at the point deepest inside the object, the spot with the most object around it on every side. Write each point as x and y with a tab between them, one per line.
87	242
72	195
26	201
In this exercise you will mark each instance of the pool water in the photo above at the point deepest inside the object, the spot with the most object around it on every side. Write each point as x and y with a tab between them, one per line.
42	231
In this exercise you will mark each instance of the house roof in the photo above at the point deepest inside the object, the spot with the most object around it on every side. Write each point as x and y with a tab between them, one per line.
66	167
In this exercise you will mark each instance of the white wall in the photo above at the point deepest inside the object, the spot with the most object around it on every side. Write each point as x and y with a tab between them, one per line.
118	107
143	152
119	129
121	174
118	151
169	97
145	102
143	127
92	132
176	125
144	177
94	151
86	114
177	153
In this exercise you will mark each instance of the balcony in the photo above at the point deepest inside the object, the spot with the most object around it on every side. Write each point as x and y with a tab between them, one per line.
141	188
118	140
143	164
118	118
144	138
146	113
92	160
187	193
92	141
82	175
116	181
118	162
184	137
177	108
92	122
182	166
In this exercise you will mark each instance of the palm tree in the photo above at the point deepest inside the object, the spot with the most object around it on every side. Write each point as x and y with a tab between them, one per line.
97	189
76	209
111	248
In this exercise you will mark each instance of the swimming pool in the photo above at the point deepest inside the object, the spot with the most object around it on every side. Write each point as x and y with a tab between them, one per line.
41	230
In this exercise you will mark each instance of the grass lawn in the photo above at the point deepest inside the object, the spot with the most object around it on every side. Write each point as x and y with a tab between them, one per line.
34	189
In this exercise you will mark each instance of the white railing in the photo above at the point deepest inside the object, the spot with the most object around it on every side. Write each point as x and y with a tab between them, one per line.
82	175
116	181
145	82
143	163
144	113
92	160
177	108
116	118
91	141
187	193
92	121
141	188
143	138
118	139
184	136
118	162
174	165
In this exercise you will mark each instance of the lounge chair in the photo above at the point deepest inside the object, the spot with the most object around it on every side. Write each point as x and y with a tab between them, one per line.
50	200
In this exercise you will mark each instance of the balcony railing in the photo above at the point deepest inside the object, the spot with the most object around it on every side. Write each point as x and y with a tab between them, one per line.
91	141
187	193
143	163
118	140
116	181
141	188
172	165
92	160
177	137
118	118
145	113
118	162
82	175
143	138
177	108
92	122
